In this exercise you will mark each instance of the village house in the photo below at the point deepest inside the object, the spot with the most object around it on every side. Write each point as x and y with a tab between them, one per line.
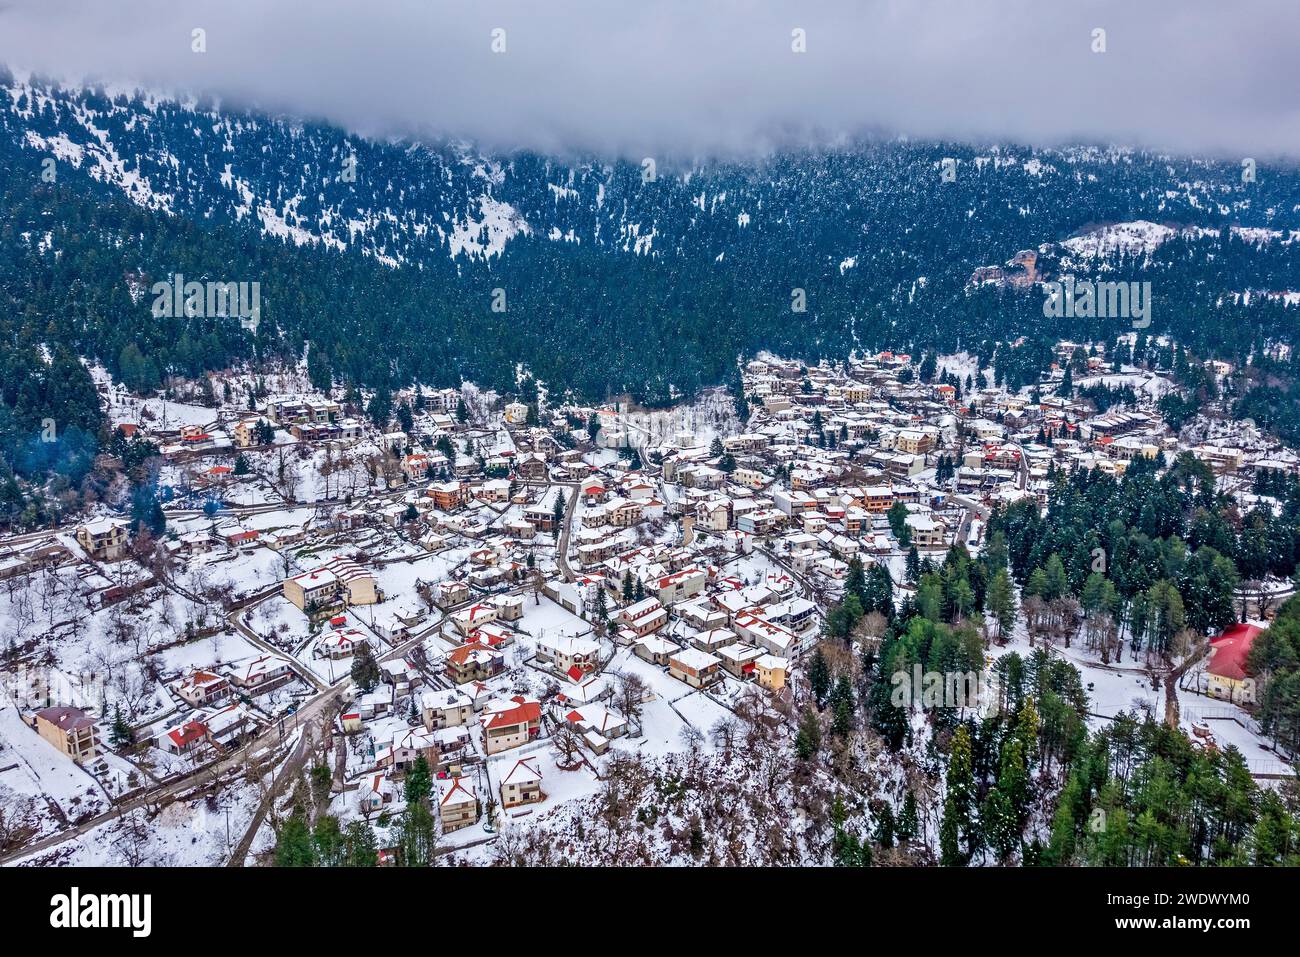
643	617
771	671
509	723
566	652
245	432
451	593
70	730
522	784
375	792
1226	676
338	582
340	643
405	748
189	735
761	521
596	723
757	630
927	532
699	669
447	496
200	687
223	729
679	586
623	512
457	803
914	442
374	704
713	515
455	744
445	708
259	675
738	659
474	617
104	540
474	662
509	607
401	675
655	649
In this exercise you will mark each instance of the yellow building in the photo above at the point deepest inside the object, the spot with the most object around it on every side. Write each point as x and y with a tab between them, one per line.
771	671
70	730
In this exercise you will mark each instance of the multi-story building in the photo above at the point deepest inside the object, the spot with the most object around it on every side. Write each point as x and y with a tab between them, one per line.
104	540
70	730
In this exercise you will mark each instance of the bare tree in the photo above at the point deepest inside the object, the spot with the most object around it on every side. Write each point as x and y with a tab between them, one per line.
692	738
566	741
132	840
724	733
14	818
631	695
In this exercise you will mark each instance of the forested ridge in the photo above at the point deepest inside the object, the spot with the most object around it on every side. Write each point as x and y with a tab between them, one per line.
612	282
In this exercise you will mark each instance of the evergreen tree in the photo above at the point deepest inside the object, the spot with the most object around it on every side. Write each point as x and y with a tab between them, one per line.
956	834
819	677
360	848
808	739
120	735
557	513
328	841
417	835
365	670
841	702
1000	602
908	819
885	825
419	781
293	845
913	564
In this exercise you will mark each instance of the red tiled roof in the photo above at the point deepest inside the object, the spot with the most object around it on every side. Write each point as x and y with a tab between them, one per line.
1228	651
525	713
187	733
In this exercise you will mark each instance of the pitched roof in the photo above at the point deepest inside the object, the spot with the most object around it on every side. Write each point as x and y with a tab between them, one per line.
525	712
525	769
66	719
1228	651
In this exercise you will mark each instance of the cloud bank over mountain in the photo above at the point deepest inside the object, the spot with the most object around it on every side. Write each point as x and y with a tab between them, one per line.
715	78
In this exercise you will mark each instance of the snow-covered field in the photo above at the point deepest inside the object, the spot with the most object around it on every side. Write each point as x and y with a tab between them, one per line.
43	789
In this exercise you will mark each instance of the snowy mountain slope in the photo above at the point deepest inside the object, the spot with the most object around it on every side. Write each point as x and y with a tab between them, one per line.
383	253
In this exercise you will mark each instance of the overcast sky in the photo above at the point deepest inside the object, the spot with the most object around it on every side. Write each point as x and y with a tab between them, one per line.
707	77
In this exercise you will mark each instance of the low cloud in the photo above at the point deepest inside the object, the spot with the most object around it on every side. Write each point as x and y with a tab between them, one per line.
705	77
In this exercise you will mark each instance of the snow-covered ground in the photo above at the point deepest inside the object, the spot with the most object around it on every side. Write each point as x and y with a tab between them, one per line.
40	787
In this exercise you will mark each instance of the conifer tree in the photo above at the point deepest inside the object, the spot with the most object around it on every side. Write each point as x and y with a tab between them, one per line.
808	739
956	833
819	677
908	819
1000	603
293	846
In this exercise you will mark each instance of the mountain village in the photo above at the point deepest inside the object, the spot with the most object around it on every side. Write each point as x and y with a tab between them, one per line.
511	592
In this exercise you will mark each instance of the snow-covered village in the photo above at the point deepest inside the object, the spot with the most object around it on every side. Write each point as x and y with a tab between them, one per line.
717	445
474	628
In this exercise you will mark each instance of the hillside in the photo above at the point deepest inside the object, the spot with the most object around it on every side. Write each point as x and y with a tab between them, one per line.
611	281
